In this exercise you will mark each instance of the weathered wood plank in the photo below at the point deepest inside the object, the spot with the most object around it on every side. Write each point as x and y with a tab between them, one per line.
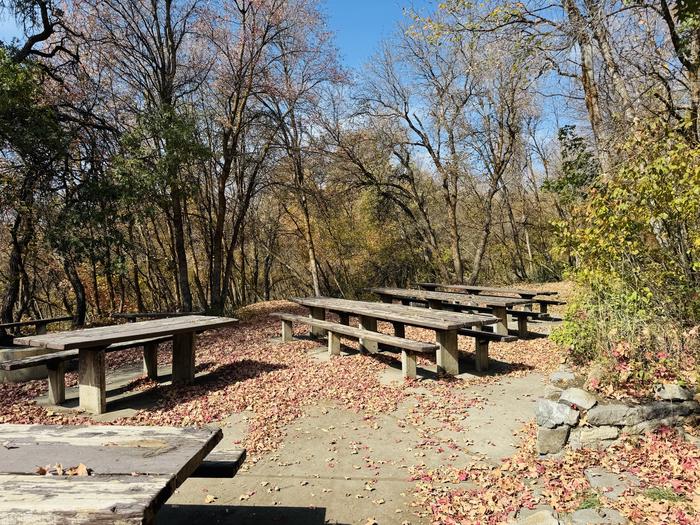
107	450
221	464
488	289
436	300
81	500
409	315
358	333
134	471
66	355
107	335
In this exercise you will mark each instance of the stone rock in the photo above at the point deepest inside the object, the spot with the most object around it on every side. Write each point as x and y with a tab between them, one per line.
649	425
552	392
562	377
551	440
524	512
664	409
578	398
673	392
551	414
612	415
612	485
598	517
593	435
542	517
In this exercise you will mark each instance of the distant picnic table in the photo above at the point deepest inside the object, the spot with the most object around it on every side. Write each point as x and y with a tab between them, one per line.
496	305
132	471
38	324
446	325
91	344
536	295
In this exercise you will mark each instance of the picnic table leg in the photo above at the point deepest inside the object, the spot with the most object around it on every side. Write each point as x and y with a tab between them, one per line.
481	354
408	364
368	323
150	360
501	327
57	382
543	308
320	314
183	358
333	344
448	353
522	326
344	318
91	372
287	331
399	329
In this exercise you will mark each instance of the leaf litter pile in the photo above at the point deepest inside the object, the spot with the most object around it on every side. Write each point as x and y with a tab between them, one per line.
243	371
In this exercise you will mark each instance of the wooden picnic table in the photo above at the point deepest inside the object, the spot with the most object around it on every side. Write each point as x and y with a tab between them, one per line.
476	289
445	324
92	342
133	471
498	305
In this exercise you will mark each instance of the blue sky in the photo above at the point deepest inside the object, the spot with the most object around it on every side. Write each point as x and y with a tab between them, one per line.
359	25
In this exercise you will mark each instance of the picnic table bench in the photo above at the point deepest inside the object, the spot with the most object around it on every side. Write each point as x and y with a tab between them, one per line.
132	471
499	306
40	325
92	343
446	325
499	290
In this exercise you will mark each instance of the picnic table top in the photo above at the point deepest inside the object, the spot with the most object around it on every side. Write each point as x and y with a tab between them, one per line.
103	336
490	289
133	471
36	321
410	315
459	298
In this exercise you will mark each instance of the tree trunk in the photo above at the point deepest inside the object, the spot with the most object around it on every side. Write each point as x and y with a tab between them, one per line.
78	291
181	252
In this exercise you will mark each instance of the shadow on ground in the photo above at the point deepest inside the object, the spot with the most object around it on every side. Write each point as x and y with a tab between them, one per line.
230	514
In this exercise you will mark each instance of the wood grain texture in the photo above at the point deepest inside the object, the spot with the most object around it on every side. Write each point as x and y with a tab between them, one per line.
106	335
81	500
409	315
487	289
437	299
359	333
134	471
66	355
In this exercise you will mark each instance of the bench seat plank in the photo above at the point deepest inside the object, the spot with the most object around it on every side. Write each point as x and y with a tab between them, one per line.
66	355
359	333
133	471
34	322
221	464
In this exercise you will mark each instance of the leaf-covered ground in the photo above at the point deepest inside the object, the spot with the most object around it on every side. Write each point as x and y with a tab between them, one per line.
242	370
